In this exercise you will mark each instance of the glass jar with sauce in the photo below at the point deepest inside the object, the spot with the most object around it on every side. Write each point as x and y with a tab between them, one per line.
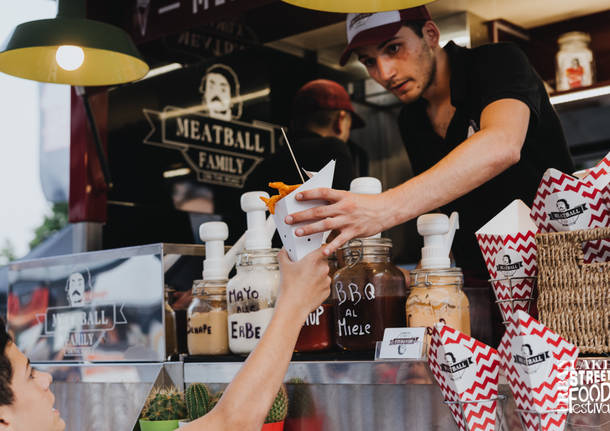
251	296
317	332
437	296
368	294
207	319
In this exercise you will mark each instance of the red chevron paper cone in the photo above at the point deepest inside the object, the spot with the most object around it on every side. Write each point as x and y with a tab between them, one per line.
565	203
599	176
538	363
466	370
508	245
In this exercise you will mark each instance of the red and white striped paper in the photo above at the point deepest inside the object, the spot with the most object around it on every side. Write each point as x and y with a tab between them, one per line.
510	253
466	370
537	363
565	203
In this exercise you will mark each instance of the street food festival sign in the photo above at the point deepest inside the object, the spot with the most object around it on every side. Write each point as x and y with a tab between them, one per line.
216	145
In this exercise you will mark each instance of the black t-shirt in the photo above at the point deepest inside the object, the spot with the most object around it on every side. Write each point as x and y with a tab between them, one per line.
313	152
479	77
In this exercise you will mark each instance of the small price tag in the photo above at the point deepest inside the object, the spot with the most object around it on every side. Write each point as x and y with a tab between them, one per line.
402	343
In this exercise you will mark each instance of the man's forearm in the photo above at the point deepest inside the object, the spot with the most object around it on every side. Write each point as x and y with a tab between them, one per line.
473	163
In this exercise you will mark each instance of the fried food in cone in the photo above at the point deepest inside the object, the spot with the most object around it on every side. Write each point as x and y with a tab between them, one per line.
283	190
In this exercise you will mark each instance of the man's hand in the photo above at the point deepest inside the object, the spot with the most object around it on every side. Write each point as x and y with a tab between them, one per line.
353	215
304	284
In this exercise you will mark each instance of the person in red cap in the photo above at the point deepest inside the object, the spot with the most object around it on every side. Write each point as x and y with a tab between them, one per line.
322	118
477	125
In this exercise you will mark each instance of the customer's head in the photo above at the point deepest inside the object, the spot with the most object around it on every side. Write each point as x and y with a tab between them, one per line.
397	48
26	402
324	107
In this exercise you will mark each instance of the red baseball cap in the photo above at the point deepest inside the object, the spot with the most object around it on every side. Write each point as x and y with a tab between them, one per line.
324	94
373	28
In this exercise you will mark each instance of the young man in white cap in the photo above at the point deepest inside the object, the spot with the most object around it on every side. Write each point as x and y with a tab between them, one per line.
477	125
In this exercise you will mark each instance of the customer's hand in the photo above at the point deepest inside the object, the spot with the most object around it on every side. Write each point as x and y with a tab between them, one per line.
304	284
353	215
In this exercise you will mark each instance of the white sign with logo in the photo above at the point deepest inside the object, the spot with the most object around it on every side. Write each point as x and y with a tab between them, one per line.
402	343
567	211
458	364
217	147
532	359
509	263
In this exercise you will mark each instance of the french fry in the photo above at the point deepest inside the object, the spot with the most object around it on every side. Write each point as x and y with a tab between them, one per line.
283	190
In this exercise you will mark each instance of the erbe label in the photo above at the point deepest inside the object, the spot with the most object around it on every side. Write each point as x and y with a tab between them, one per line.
533	359
509	263
402	343
457	363
567	211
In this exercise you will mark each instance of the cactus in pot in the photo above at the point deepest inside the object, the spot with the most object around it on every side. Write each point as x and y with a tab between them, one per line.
163	409
279	408
198	400
214	400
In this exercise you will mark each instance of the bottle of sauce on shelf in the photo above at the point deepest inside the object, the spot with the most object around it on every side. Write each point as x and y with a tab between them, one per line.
369	292
317	331
436	288
207	332
252	292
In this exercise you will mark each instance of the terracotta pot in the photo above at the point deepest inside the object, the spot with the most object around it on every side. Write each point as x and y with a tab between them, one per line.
275	426
158	425
314	423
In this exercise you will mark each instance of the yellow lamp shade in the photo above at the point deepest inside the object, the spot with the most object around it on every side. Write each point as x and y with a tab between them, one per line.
105	54
357	6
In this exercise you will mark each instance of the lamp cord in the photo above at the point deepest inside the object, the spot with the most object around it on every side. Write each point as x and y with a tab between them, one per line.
101	156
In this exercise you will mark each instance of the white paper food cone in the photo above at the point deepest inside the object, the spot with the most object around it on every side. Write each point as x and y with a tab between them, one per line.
508	245
466	370
299	247
537	363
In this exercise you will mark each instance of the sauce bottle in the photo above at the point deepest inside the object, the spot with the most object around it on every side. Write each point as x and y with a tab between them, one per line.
436	288
368	294
317	332
252	292
207	314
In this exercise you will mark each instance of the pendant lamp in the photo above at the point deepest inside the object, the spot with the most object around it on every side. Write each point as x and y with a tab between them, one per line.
71	49
357	6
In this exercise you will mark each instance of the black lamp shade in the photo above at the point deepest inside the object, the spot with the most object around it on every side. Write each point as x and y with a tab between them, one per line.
110	55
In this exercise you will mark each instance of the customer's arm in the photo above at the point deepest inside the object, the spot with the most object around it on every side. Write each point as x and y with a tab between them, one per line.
246	401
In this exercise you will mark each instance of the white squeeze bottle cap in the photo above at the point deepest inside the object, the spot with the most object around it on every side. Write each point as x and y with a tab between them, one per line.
256	235
438	231
366	186
214	234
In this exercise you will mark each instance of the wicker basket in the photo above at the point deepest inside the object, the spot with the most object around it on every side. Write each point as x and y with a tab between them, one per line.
574	297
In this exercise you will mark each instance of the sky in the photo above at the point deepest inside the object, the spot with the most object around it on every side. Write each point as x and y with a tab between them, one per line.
22	203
